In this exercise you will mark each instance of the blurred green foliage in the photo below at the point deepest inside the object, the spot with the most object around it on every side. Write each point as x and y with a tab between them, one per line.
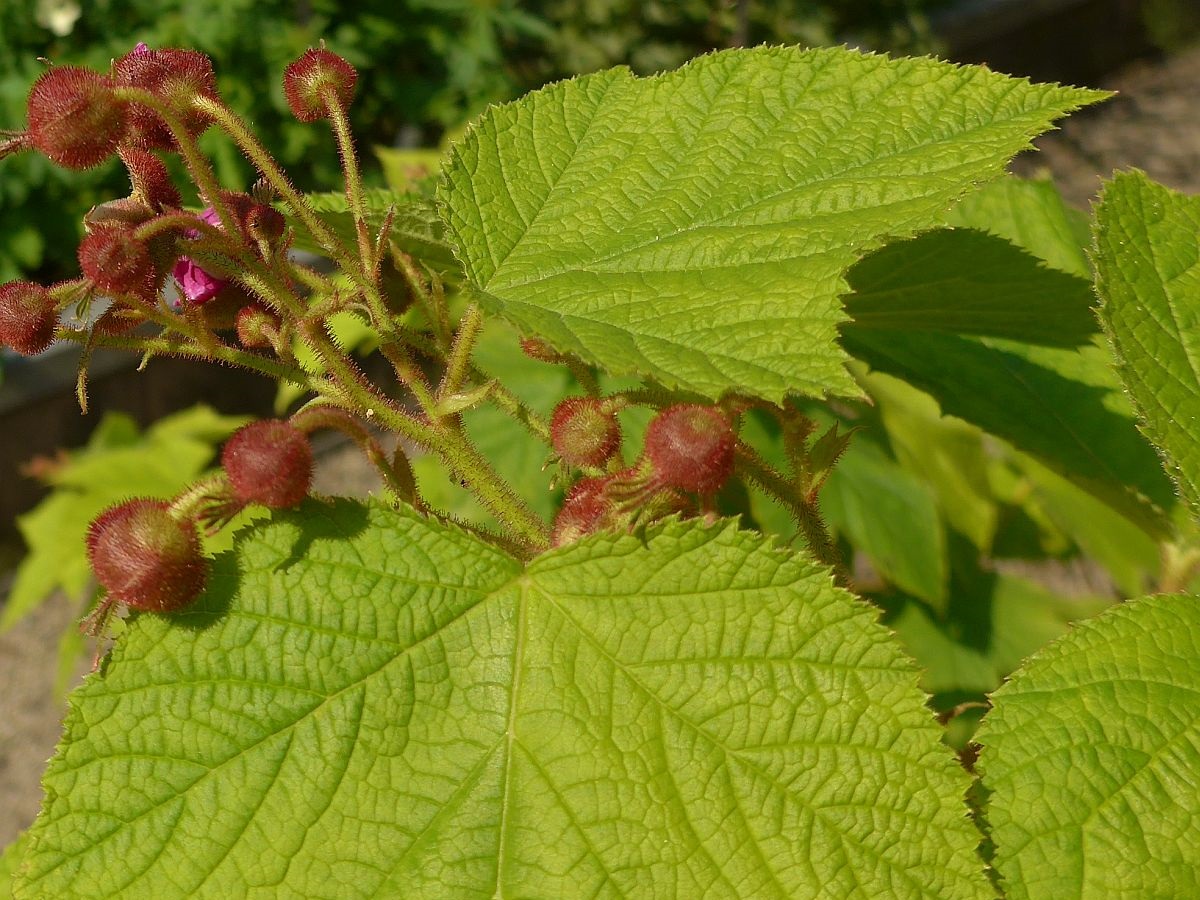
425	66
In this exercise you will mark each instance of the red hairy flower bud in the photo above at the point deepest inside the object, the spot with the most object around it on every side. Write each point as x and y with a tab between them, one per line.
27	317
583	511
316	74
74	117
264	222
179	78
256	327
690	447
269	462
145	557
117	262
584	431
150	180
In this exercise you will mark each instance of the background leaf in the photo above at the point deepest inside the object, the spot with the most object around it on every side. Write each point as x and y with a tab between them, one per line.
968	282
1063	406
369	703
693	227
1091	759
1148	277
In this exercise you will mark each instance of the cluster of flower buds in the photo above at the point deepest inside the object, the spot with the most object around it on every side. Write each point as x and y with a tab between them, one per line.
146	553
687	455
153	101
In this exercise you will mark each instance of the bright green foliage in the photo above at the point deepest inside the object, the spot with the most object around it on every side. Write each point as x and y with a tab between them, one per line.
946	453
887	513
969	282
118	463
1148	277
1127	552
368	703
996	625
1090	758
1063	406
1032	215
694	227
9	860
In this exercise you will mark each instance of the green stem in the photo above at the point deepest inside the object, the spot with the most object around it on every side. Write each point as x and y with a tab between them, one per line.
807	513
237	129
175	346
459	363
197	163
354	187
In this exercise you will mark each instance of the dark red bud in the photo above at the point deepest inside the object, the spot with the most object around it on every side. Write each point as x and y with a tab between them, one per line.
584	431
75	118
150	180
145	557
583	512
318	74
178	77
269	462
265	222
690	447
117	262
27	317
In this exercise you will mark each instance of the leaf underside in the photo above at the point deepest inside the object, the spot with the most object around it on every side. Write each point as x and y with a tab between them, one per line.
694	227
1148	277
367	703
1091	760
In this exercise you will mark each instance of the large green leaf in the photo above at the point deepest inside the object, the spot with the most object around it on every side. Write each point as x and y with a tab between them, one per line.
1032	215
1148	277
969	282
888	514
370	704
1063	406
694	227
1091	758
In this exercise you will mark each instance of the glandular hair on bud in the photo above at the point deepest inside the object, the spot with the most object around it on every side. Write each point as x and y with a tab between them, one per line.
145	557
28	315
316	76
269	462
584	431
75	118
690	447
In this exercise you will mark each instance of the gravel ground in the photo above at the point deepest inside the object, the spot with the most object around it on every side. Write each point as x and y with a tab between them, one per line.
1154	124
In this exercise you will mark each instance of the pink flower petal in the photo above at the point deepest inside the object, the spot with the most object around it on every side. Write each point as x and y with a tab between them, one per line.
197	285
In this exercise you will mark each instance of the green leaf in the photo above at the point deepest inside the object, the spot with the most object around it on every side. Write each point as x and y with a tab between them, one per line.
1032	215
946	453
10	859
969	282
1002	622
1148	278
1091	757
370	704
416	228
1063	406
1131	556
887	513
694	227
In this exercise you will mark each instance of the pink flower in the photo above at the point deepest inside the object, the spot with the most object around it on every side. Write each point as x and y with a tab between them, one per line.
197	285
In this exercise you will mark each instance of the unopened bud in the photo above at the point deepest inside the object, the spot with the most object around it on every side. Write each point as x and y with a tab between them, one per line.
27	317
75	118
179	78
269	462
318	74
117	262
